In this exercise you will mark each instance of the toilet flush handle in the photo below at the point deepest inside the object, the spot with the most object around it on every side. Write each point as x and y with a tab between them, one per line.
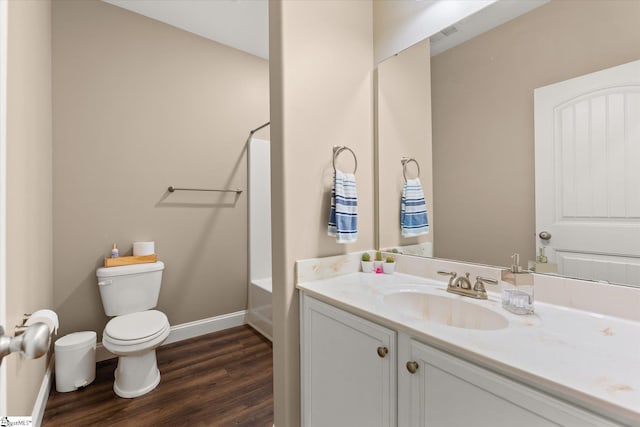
105	283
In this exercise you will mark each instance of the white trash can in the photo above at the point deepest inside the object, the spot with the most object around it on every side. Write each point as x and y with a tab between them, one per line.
75	360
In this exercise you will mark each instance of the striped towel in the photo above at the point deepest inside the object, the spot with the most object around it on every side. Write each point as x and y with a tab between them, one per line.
413	210
343	219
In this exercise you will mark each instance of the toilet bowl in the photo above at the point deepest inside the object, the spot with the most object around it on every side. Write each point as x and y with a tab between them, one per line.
130	293
134	338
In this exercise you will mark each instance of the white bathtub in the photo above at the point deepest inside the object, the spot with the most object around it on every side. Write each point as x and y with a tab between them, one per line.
259	315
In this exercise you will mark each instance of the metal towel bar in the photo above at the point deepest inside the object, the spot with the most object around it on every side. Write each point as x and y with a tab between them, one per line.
171	189
252	131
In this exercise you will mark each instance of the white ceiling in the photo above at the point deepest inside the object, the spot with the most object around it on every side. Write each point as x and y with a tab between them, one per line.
244	24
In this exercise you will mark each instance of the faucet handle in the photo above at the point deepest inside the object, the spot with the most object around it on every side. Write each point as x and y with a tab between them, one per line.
447	273
480	282
452	275
479	288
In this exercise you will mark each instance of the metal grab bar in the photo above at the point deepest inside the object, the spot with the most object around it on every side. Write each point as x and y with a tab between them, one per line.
171	189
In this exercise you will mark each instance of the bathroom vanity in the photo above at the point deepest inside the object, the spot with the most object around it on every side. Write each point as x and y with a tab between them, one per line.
387	350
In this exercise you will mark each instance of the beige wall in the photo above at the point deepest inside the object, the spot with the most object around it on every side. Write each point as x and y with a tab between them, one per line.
404	130
29	227
483	119
138	106
321	60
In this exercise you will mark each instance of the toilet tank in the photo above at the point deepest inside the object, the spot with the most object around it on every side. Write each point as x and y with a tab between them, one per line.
129	288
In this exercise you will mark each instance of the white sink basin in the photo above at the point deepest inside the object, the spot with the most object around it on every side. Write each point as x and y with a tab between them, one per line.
445	310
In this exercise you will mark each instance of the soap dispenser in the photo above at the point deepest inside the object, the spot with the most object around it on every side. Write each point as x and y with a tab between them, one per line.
542	264
541	258
517	288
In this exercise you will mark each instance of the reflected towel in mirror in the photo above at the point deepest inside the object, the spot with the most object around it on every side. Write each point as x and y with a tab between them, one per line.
413	210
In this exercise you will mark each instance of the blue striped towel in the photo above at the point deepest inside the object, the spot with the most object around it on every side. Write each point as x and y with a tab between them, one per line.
343	219
413	210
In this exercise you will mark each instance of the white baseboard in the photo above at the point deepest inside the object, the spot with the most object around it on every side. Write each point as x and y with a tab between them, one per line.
41	400
194	329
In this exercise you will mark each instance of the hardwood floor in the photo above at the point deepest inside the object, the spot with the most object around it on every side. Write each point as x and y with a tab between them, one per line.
220	379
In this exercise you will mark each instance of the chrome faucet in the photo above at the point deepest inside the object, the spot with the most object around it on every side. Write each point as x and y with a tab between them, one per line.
462	282
461	285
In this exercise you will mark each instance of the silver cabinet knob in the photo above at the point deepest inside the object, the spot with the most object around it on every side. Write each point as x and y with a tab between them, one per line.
544	235
412	366
382	351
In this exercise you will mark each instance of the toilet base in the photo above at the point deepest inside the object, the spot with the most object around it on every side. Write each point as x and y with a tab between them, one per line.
136	375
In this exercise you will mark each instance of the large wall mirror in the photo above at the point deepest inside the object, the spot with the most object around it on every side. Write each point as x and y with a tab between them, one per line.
476	147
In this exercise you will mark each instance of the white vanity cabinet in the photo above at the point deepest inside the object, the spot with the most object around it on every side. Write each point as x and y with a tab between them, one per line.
350	380
438	389
348	369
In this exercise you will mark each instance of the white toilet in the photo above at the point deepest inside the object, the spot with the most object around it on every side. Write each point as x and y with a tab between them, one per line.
129	293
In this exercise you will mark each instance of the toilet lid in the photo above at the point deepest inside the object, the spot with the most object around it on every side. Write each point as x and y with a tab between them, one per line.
135	326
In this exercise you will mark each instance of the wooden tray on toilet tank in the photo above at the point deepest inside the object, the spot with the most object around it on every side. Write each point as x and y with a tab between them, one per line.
128	260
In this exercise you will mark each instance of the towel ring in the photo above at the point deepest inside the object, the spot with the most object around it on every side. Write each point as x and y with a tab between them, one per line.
337	149
404	161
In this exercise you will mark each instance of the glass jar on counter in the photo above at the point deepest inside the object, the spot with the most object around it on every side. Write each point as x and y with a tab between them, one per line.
517	291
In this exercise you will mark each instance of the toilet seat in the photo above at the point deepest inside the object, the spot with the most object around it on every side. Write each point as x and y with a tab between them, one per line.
136	328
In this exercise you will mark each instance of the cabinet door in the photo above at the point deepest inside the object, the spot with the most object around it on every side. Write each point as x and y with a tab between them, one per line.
446	391
348	367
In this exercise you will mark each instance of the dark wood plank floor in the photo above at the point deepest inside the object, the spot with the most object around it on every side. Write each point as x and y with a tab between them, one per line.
220	379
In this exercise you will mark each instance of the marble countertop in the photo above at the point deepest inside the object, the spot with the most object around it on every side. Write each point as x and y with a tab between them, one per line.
589	359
